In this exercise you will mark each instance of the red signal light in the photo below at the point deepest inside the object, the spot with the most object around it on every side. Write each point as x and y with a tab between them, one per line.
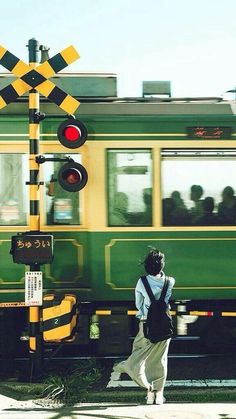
72	177
72	133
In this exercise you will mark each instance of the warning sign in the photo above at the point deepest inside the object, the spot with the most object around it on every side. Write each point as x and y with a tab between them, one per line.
33	288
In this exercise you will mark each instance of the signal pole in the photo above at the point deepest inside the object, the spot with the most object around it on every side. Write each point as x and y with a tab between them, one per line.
35	337
34	248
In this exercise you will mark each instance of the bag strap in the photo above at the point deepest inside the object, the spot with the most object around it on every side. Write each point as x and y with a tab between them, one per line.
149	290
164	289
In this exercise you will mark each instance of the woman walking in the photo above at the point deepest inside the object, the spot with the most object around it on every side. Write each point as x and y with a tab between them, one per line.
147	364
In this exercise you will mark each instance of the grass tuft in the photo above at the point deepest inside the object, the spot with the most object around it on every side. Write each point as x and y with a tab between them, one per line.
72	385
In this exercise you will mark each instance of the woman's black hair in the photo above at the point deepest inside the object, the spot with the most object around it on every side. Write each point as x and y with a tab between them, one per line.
154	262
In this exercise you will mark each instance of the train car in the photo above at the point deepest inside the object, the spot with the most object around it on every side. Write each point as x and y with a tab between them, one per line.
161	173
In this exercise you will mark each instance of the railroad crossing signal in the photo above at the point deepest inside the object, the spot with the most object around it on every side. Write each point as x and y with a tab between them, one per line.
34	78
72	176
37	78
72	134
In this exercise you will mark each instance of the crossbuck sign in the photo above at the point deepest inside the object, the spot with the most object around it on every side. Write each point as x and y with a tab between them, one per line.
37	78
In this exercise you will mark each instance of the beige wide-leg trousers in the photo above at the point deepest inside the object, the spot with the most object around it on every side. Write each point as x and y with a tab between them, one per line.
147	364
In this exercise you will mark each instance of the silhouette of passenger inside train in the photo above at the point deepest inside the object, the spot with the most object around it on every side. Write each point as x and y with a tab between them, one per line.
168	206
120	210
180	214
147	199
196	211
227	208
174	210
208	218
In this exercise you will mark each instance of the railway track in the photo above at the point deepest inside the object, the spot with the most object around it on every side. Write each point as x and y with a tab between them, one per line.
188	363
184	370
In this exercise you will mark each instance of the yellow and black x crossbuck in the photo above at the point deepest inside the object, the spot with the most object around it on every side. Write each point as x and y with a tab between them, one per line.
30	77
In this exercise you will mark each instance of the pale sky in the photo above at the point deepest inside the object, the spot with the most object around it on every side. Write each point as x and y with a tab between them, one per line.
192	43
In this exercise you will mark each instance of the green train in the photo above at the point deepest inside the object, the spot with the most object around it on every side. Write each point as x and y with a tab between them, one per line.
161	173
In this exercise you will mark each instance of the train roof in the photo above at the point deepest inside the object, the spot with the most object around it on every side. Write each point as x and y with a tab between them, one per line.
97	93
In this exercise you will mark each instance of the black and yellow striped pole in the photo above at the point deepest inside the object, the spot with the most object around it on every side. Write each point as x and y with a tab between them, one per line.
34	77
35	339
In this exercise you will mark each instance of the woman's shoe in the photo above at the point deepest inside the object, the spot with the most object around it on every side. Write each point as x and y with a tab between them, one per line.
151	397
159	399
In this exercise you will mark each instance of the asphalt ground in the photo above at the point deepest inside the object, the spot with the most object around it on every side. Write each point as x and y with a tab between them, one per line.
13	409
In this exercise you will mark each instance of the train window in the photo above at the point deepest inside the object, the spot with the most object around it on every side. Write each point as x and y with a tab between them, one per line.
62	207
14	201
198	187
129	187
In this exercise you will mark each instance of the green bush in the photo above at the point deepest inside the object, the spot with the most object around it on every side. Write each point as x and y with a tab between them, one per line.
72	385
